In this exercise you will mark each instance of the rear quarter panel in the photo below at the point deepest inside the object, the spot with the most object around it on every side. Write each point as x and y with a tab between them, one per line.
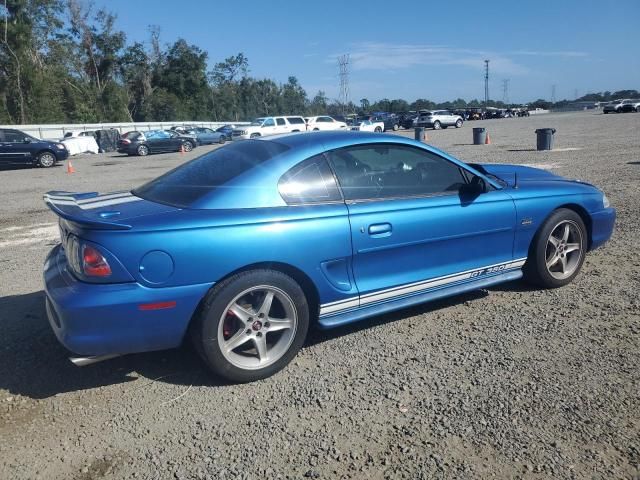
208	245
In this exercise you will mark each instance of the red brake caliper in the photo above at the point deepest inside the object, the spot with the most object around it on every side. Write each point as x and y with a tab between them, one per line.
227	327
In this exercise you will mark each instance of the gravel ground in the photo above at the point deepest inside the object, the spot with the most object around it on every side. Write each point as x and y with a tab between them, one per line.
508	382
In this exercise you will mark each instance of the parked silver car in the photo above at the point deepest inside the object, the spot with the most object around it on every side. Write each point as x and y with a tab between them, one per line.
615	106
438	119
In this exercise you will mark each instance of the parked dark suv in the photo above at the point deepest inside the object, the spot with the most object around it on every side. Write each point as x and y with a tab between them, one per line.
18	148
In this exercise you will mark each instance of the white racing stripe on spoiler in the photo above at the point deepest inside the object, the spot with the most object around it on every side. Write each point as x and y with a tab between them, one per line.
97	198
94	202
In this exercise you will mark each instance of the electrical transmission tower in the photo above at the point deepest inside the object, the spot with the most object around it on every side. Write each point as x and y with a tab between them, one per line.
486	83
553	93
505	91
343	68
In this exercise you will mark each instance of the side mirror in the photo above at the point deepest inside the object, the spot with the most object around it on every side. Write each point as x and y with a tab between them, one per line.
475	187
26	140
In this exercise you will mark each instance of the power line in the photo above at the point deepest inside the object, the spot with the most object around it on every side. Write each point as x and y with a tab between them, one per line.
343	68
486	83
505	91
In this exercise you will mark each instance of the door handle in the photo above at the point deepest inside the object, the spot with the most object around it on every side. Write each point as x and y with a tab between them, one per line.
380	229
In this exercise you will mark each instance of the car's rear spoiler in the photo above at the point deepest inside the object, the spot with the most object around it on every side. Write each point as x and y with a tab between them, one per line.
81	208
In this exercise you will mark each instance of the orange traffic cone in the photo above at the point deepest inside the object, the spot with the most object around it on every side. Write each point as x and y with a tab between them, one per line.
488	140
70	168
182	148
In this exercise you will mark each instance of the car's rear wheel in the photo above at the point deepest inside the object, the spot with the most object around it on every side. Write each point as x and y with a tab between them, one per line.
221	140
46	159
187	146
142	150
458	123
558	250
378	130
436	125
254	135
395	127
251	325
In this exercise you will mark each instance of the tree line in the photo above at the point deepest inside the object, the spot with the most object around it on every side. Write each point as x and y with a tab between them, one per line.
63	61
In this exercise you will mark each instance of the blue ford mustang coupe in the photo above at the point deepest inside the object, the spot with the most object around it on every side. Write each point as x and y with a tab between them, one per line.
242	249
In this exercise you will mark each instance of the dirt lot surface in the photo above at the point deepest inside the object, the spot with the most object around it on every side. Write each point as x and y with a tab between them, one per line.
508	382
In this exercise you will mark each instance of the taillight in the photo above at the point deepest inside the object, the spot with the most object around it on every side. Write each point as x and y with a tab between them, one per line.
125	140
93	263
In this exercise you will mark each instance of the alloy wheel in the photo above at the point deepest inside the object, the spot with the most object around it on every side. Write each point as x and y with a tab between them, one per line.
257	327
564	249
47	160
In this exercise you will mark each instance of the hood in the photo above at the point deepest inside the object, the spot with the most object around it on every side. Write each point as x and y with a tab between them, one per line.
111	211
510	174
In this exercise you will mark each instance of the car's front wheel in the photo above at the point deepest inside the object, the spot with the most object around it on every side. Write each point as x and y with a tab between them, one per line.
558	250
436	125
187	146
251	325
458	123
222	139
46	159
378	130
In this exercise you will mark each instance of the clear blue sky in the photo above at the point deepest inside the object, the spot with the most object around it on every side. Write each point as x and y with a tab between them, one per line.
409	49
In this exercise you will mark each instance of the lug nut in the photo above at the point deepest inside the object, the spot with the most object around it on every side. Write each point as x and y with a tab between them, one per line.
267	324
258	334
248	331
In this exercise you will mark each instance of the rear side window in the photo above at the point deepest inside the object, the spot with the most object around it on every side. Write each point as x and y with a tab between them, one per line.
188	183
295	120
280	121
310	181
379	171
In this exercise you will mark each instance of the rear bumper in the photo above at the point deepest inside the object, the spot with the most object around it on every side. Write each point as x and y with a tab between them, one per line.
602	224
100	319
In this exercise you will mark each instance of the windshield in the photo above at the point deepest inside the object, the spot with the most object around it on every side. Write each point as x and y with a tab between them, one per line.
258	122
188	183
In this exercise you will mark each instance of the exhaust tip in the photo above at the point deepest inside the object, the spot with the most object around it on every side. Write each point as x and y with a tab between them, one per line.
84	361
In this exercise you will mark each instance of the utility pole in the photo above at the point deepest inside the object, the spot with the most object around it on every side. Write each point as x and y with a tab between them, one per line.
486	83
505	91
553	93
343	69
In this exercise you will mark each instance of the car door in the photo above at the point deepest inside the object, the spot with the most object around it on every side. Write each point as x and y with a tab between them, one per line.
14	148
411	224
282	126
268	126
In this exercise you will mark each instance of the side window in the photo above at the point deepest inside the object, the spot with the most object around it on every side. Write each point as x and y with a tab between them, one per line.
280	121
311	181
13	136
269	123
383	171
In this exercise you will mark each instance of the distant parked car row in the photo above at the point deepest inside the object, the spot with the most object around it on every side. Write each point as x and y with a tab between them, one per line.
622	106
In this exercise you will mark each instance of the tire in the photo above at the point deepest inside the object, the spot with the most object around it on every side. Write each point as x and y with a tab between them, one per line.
316	129
555	256
216	325
436	125
222	140
254	135
187	146
377	130
395	127
142	150
458	123
46	159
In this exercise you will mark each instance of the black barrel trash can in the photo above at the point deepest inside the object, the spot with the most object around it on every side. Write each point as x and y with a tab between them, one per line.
479	136
419	134
544	140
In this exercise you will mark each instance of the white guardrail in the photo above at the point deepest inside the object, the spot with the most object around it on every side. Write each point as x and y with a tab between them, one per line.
56	132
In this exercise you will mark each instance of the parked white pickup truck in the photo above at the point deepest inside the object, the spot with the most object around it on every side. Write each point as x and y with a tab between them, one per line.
264	126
